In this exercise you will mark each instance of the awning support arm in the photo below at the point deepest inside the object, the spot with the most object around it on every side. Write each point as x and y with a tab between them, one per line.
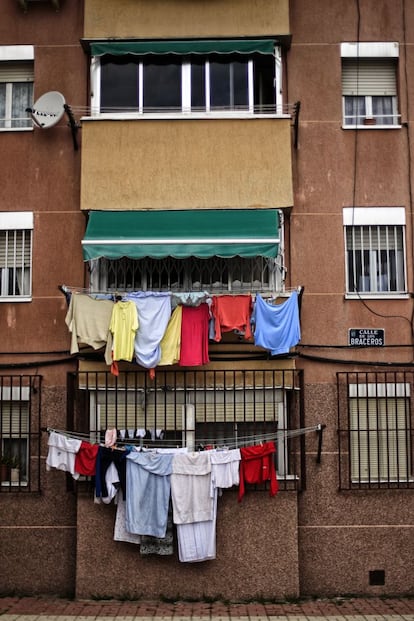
74	126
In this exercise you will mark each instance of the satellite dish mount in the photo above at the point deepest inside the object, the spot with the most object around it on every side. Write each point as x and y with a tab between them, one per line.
48	111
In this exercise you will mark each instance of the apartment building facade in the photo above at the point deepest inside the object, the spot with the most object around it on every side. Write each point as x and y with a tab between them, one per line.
196	155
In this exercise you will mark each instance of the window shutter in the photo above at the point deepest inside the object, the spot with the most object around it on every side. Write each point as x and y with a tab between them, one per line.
161	415
379	439
15	248
14	419
220	407
369	77
374	238
16	72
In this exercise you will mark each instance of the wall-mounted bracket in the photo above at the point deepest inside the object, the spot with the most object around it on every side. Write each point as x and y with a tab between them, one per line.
74	126
320	431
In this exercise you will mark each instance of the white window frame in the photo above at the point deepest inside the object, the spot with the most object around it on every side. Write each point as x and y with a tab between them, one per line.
20	55
95	78
371	51
379	450
11	225
374	217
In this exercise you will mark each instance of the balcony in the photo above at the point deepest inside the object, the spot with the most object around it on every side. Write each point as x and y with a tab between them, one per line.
174	161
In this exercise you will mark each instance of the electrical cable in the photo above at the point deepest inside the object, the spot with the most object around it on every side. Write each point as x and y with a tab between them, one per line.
354	362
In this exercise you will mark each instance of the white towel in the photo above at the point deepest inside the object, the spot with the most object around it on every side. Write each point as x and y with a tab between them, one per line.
191	488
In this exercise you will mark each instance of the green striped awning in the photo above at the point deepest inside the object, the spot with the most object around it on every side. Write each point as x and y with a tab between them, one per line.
192	46
200	233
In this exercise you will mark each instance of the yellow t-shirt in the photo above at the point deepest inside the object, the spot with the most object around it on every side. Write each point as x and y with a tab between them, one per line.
124	324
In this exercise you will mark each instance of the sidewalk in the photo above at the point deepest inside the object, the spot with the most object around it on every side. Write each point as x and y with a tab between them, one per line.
336	609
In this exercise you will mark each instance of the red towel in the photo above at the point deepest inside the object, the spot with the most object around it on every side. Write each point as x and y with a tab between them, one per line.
85	459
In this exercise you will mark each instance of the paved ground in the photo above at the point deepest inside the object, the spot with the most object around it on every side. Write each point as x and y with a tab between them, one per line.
338	609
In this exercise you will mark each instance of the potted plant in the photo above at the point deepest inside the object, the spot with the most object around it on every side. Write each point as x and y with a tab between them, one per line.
14	465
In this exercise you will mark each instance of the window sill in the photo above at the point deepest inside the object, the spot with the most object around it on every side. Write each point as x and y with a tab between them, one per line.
376	296
372	126
14	484
16	129
12	299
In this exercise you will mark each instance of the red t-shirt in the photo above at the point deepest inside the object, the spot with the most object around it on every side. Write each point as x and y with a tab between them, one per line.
257	466
232	312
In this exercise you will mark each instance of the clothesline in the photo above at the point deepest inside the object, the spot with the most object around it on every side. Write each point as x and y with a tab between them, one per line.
119	292
202	443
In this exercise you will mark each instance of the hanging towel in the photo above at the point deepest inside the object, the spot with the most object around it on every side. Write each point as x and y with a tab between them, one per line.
154	312
232	312
124	325
257	466
194	336
148	493
88	321
190	488
120	531
277	328
197	541
171	341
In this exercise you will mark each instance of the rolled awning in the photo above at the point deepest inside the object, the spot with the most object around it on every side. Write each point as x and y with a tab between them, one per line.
199	233
196	46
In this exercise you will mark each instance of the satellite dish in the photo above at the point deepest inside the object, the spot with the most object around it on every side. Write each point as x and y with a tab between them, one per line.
48	109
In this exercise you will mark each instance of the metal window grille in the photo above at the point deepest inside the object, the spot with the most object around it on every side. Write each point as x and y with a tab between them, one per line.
375	430
15	263
195	409
375	259
20	410
170	274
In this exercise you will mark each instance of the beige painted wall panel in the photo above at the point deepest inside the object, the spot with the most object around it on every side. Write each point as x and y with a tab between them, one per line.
159	164
183	18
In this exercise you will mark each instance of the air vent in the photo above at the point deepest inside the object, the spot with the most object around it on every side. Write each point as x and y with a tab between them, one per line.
26	3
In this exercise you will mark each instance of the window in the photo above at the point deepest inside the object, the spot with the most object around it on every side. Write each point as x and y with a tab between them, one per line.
377	429
196	409
172	83
369	84
19	432
16	256
375	251
16	86
213	274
